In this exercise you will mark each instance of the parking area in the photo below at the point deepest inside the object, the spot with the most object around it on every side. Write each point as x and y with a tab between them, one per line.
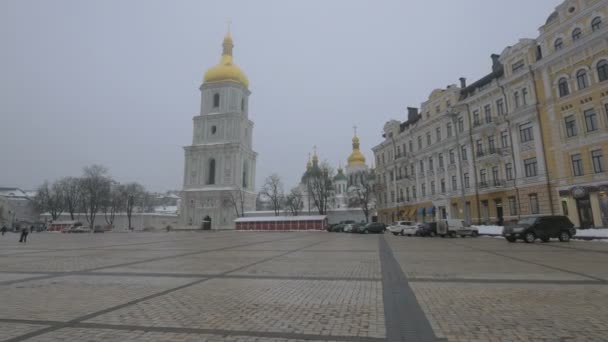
248	286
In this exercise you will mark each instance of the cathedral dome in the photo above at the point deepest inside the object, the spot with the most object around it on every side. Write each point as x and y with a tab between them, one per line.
356	158
340	176
226	70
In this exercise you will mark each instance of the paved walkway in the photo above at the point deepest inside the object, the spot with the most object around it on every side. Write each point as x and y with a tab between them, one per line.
238	286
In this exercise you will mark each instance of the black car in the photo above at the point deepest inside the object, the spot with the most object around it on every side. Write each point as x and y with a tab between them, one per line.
374	227
541	227
427	229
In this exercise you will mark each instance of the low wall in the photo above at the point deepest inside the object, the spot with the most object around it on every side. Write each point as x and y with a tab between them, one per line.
139	221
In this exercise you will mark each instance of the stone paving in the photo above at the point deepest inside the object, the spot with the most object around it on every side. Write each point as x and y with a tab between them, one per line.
288	287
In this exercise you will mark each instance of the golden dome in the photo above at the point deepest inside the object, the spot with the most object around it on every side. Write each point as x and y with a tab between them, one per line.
226	70
356	158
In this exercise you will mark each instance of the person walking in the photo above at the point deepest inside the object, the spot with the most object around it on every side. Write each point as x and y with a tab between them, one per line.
4	229
24	232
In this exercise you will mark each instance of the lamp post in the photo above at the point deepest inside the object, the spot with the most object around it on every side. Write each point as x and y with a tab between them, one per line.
454	116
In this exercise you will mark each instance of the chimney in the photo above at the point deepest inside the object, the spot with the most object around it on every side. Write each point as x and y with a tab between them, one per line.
495	62
463	82
412	113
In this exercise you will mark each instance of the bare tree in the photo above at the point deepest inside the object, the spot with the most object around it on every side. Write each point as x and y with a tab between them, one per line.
113	203
362	194
49	198
236	200
70	187
95	187
273	191
294	201
320	187
132	194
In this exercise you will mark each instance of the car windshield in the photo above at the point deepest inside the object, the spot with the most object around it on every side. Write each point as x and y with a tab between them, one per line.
527	221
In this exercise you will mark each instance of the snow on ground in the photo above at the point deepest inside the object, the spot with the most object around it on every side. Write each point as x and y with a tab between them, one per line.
580	233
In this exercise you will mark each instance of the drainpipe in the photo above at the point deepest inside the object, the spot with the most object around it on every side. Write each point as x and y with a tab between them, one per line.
504	94
542	140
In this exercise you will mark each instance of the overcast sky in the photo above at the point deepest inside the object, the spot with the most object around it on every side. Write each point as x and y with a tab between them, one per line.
116	82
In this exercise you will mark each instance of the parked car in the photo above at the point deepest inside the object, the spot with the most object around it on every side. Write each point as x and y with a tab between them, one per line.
99	229
80	229
374	227
348	228
540	227
454	228
403	228
427	229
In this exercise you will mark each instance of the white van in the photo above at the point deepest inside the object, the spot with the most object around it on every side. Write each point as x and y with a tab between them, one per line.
454	228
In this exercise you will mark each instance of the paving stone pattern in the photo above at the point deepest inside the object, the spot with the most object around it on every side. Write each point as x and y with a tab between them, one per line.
288	287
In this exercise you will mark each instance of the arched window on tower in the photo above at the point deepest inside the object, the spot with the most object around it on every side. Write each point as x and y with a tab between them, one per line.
596	24
581	79
216	100
243	105
564	90
602	70
245	167
576	34
559	44
211	174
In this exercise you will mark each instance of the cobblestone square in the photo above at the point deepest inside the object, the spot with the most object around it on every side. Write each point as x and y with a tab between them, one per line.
287	287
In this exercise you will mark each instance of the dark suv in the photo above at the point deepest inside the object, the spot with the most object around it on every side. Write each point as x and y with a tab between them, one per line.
374	227
542	227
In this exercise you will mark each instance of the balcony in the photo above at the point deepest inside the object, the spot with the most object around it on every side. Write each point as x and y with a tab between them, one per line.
496	183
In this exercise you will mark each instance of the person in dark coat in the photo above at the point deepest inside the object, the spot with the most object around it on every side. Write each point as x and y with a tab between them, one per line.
4	229
24	232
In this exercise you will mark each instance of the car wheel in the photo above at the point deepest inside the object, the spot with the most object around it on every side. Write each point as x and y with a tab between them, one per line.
510	239
475	233
564	236
529	237
402	233
452	234
432	234
366	231
396	234
545	239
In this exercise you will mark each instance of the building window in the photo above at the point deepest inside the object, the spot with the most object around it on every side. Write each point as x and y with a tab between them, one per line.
517	66
504	138
454	183
534	204
216	100
495	176
577	165
576	34
562	85
476	120
421	166
441	160
245	173
524	96
407	194
500	107
509	171
442	186
423	189
570	126
602	70
488	113
213	129
483	178
525	132
449	129
565	208
479	148
412	171
432	187
438	133
419	143
211	175
463	151
428	139
516	99
597	157
438	109
492	144
512	206
591	120
411	143
559	44
452	157
467	183
431	168
581	79
461	119
531	167
242	104
414	192
596	24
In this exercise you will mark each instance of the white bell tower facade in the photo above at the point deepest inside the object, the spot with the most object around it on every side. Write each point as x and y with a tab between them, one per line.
219	170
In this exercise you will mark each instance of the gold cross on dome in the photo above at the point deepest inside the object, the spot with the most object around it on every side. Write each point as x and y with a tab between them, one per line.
314	148
228	23
355	127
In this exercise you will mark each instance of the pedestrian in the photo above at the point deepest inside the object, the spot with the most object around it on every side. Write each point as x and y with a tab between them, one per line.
24	232
4	229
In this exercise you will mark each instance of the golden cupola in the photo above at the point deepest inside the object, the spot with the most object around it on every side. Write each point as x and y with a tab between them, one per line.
226	70
356	158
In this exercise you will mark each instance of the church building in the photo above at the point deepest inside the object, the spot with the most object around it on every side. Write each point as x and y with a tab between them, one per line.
219	169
